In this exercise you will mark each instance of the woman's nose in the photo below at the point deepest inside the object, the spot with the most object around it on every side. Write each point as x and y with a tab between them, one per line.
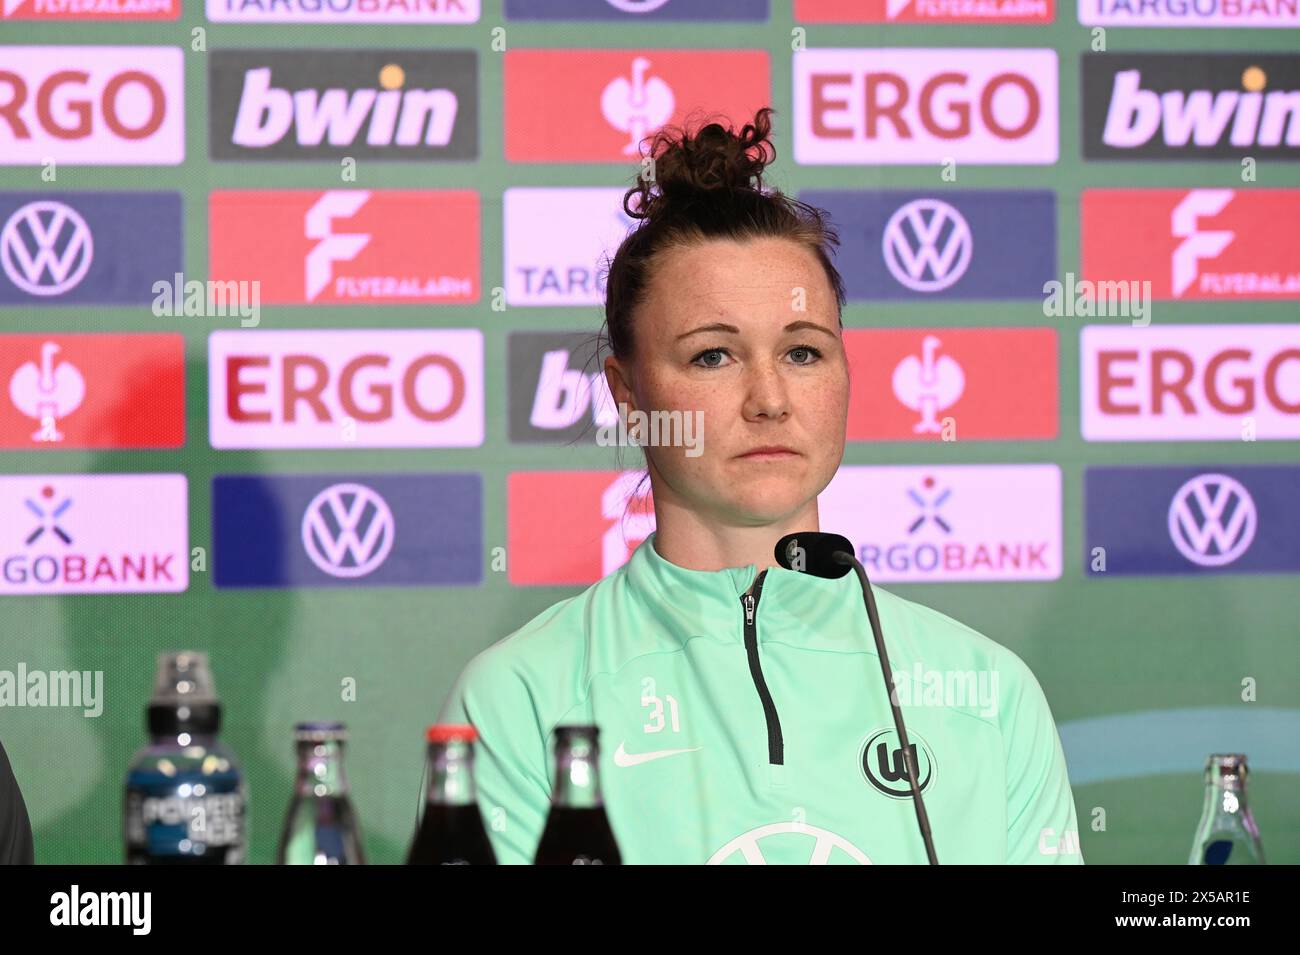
767	395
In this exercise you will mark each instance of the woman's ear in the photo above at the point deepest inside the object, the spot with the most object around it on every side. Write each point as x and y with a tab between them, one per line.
619	380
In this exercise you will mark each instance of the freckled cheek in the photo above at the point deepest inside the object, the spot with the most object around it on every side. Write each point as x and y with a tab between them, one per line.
667	393
826	402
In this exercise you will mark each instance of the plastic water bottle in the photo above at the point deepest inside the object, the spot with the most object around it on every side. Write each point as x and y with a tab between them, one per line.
185	794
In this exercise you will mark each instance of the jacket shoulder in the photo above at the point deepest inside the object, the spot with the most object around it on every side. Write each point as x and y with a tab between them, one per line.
929	641
548	659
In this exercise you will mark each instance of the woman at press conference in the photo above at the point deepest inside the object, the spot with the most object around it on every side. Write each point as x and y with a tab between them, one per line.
740	705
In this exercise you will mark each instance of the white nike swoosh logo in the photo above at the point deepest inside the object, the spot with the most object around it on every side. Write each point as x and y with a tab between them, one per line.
624	758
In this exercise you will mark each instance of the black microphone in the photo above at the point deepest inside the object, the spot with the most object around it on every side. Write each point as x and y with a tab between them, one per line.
831	556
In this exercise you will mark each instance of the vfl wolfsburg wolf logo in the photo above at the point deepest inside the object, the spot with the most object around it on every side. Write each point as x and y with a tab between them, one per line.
882	763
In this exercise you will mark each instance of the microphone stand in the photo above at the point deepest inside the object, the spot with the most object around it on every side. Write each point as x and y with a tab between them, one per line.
843	557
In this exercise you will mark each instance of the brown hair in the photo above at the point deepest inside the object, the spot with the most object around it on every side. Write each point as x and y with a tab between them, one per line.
710	186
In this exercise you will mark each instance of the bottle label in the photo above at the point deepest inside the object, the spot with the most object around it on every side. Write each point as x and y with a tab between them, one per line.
185	818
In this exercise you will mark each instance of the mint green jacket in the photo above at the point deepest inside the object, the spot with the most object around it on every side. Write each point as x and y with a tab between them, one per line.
756	729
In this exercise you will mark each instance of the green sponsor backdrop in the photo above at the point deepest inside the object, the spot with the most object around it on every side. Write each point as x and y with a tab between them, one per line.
1101	647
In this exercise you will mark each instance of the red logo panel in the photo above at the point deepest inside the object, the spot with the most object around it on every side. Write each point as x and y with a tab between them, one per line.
993	383
92	391
1195	243
597	105
574	527
348	246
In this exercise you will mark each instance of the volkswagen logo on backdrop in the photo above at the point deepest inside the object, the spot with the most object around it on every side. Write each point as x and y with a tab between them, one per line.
1212	520
46	248
347	530
927	245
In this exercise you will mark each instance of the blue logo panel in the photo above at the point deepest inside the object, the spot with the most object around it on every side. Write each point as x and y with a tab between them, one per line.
962	245
333	530
731	10
1190	520
93	248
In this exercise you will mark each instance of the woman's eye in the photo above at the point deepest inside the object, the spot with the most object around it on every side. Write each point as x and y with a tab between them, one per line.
812	353
804	355
708	353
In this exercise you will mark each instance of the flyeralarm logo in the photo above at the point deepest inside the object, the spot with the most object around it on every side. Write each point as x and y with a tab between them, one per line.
410	104
344	11
1201	13
92	105
609	101
924	11
90	9
925	106
1195	244
1192	106
348	246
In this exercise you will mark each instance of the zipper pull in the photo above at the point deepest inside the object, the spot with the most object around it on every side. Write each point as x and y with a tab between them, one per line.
749	608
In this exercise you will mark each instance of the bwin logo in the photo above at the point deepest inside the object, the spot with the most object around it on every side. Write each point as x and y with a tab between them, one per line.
269	114
881	759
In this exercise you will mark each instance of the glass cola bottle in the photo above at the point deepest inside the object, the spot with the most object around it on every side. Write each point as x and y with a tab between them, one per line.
451	831
1227	834
185	800
577	830
320	827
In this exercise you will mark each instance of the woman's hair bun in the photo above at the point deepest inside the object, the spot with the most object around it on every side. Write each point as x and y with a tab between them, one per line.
714	159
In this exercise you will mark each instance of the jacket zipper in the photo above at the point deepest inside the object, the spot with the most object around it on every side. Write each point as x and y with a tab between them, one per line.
775	744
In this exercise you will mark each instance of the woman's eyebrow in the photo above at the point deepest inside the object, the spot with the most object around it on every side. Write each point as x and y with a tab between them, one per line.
794	326
715	327
723	327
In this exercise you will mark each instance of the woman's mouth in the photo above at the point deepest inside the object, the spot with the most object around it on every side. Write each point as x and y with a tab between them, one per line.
768	453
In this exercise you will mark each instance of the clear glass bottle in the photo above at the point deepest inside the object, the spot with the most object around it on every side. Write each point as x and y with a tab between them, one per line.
320	827
185	800
577	830
1227	834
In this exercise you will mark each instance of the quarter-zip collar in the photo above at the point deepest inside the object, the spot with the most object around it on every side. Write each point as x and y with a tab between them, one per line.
795	608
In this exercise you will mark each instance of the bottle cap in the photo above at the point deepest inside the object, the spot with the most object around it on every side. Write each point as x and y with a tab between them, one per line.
448	732
184	697
585	730
577	736
1226	764
320	732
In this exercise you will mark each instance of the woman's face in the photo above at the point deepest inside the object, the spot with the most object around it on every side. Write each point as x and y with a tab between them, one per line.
747	335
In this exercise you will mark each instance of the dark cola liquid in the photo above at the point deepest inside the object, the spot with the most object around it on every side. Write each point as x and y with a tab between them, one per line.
451	835
577	837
